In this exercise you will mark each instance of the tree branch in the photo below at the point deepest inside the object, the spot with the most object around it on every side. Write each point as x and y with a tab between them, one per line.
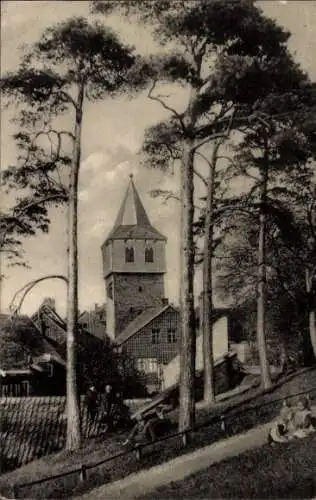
66	96
169	196
220	135
207	130
28	287
20	210
198	174
163	104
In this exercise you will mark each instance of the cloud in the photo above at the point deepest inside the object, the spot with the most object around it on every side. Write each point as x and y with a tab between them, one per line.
94	161
112	134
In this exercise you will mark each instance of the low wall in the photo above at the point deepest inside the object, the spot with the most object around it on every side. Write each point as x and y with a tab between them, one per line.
220	349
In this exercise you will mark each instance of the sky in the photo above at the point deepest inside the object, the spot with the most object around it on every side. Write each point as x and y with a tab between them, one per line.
112	135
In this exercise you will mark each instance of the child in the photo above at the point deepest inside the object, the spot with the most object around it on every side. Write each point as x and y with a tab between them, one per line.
280	432
303	418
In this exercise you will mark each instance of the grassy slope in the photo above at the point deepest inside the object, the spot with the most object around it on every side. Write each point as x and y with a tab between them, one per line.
281	471
160	452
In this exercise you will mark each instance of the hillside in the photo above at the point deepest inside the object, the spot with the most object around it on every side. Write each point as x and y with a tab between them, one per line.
282	471
249	415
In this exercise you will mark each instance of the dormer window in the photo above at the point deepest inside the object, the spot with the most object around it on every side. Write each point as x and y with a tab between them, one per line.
149	252
129	252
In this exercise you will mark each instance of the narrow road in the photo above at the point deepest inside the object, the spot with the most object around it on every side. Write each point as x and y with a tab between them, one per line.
142	482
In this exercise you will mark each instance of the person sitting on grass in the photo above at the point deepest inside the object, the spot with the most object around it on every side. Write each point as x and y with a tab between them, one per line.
304	421
149	428
293	422
161	424
142	432
280	432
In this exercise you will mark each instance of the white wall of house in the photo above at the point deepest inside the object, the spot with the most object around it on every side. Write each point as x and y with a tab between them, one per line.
242	349
220	349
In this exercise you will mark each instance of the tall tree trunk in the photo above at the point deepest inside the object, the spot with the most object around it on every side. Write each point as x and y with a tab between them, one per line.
188	335
311	309
207	294
261	300
73	398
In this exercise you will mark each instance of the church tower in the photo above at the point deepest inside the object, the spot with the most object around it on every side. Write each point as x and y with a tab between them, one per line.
134	264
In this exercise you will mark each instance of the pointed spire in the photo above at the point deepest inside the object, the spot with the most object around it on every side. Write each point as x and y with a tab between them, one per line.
132	220
132	211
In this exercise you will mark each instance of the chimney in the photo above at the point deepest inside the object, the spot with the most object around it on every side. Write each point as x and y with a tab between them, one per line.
50	302
164	301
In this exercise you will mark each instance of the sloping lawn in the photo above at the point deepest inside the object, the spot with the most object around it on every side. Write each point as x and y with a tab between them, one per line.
282	471
153	455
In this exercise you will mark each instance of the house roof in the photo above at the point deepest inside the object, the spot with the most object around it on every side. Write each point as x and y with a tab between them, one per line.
15	372
141	321
85	339
20	340
94	321
132	221
150	314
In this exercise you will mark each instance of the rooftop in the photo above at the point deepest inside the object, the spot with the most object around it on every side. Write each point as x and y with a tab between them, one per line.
132	221
141	321
21	340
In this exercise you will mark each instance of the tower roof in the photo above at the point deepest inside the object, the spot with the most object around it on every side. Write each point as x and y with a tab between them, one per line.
132	221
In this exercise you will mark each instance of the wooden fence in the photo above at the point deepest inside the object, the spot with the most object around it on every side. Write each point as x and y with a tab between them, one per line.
184	437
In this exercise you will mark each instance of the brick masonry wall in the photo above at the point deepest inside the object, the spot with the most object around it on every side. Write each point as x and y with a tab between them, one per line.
114	258
140	345
134	293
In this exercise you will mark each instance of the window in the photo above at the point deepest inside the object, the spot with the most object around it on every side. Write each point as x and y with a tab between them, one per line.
147	365
155	336
129	254
149	254
171	335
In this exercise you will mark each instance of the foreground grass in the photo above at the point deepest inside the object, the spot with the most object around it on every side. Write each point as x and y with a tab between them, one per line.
153	455
281	471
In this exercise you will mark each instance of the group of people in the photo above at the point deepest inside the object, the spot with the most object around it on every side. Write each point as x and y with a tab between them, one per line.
108	404
294	421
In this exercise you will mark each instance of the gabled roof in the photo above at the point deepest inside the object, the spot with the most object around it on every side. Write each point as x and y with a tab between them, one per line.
21	340
132	221
141	321
94	321
85	339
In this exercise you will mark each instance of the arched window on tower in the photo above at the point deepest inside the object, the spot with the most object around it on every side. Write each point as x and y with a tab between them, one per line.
129	252
149	252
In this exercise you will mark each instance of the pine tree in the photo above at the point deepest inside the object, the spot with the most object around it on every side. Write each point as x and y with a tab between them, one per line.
228	56
73	62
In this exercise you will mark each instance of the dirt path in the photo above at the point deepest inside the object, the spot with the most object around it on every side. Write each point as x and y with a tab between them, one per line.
177	469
